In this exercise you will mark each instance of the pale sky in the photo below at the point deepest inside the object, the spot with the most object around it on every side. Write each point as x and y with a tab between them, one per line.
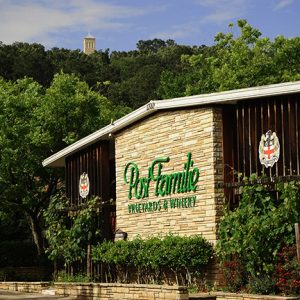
119	24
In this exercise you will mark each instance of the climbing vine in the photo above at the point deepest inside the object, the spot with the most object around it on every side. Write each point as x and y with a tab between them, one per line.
253	235
69	232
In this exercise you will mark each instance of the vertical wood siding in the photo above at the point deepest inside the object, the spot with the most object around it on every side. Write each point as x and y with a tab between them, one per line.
93	160
243	125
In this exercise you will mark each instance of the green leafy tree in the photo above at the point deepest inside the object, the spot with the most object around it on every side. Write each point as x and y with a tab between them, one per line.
20	168
137	79
35	123
69	110
92	68
233	62
154	45
24	59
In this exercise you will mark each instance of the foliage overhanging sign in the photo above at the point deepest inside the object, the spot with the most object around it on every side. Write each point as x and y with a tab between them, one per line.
165	185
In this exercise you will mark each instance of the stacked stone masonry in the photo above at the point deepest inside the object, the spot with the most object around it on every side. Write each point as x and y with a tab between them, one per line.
173	134
26	287
110	291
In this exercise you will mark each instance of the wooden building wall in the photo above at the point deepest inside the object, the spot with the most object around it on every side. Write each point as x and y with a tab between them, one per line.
94	160
243	125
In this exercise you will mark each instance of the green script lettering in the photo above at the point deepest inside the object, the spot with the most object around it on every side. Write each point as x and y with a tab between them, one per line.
165	184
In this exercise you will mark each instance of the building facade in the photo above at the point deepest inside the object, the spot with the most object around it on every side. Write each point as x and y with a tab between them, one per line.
182	198
172	165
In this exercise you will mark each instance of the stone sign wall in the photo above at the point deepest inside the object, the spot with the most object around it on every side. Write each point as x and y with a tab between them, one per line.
167	166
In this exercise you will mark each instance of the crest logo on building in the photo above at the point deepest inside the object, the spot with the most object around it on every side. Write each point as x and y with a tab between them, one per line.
269	149
84	185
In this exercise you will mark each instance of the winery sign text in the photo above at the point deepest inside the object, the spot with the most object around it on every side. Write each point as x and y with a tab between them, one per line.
164	185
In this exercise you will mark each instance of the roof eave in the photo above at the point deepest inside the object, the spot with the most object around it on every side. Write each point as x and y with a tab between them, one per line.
58	158
231	97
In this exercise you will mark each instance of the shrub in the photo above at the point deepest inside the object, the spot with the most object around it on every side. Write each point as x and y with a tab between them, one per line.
234	275
63	276
288	271
255	232
264	285
153	259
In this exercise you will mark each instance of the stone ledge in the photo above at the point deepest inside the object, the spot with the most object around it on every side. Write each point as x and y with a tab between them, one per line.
109	291
28	287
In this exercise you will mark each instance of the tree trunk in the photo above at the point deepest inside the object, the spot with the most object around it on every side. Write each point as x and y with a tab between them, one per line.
88	261
297	233
36	234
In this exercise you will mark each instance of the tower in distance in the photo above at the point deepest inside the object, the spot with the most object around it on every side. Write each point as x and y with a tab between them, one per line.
89	44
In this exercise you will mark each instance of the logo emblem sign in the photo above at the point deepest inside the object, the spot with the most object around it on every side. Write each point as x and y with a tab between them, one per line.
84	185
269	149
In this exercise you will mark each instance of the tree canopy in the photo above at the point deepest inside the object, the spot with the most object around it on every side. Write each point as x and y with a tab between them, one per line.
130	78
159	69
37	122
235	62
